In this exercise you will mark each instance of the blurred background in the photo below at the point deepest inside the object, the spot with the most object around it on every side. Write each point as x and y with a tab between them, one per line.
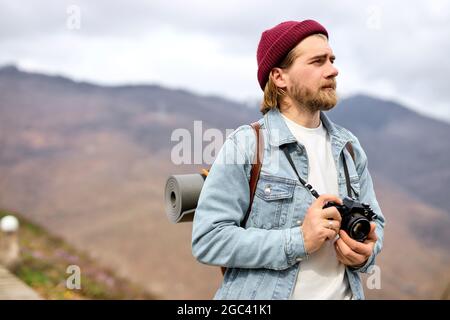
91	92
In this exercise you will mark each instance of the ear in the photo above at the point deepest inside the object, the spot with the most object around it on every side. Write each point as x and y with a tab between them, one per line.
279	77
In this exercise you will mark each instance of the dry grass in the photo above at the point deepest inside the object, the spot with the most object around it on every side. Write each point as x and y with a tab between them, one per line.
44	260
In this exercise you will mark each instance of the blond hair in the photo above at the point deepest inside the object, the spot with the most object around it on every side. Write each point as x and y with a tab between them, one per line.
273	95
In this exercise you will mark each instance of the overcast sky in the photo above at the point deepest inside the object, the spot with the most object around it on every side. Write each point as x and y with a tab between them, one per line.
392	49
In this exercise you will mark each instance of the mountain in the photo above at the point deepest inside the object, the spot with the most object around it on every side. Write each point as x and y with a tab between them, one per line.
90	162
147	113
411	149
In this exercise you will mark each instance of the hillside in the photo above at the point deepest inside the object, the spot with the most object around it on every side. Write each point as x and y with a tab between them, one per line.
411	149
44	259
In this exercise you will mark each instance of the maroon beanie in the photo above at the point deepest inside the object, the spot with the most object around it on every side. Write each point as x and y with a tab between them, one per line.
276	43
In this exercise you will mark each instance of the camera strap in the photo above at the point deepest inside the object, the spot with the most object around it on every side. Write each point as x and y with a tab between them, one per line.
347	176
349	148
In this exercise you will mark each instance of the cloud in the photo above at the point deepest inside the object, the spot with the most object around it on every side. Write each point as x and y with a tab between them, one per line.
396	50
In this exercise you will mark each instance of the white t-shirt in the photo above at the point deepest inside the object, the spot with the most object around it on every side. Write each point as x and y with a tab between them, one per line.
321	276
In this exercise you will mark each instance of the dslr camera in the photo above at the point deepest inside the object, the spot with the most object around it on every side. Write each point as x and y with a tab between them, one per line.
356	217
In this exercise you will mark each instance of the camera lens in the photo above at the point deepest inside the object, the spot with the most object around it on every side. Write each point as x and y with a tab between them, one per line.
359	228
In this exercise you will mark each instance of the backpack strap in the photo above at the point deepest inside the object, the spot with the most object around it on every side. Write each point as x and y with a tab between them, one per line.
254	173
256	168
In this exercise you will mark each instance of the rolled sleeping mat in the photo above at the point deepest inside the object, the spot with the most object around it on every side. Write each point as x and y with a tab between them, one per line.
181	196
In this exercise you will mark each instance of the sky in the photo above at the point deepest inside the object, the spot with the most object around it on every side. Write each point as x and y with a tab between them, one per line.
398	50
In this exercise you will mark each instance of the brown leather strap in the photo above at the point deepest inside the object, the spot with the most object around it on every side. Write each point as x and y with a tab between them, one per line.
256	168
254	173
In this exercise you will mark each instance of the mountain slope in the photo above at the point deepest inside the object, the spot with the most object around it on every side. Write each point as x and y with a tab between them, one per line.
411	149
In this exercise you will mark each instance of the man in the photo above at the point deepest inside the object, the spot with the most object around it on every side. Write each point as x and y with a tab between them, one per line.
291	247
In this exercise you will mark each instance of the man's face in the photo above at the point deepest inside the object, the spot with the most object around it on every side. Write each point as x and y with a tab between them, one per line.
311	79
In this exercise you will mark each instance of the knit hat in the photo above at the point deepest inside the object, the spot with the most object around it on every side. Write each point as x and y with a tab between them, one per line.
276	43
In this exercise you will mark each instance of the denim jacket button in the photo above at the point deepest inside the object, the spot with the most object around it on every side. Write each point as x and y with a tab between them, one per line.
299	222
298	259
267	190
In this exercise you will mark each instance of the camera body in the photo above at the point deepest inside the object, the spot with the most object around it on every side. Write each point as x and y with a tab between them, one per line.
356	217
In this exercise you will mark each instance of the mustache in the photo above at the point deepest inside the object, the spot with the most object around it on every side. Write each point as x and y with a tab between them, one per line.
331	84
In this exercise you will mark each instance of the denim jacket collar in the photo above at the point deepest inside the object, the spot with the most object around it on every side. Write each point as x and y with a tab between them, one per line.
279	133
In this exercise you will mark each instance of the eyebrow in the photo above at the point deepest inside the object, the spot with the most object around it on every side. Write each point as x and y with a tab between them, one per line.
322	56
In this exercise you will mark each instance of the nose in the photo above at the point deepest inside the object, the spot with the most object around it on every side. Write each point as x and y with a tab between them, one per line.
332	71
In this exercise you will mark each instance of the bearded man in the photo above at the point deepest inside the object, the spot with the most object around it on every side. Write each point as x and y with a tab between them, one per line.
292	245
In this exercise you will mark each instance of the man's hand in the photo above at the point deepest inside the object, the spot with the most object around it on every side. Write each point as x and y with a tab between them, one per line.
353	253
320	224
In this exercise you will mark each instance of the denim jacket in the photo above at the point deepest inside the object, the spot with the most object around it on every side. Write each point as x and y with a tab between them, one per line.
263	257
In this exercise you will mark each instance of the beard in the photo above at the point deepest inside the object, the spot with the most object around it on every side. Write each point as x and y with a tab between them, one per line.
321	100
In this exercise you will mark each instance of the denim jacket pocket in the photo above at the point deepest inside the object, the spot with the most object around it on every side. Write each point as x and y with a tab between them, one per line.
273	199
